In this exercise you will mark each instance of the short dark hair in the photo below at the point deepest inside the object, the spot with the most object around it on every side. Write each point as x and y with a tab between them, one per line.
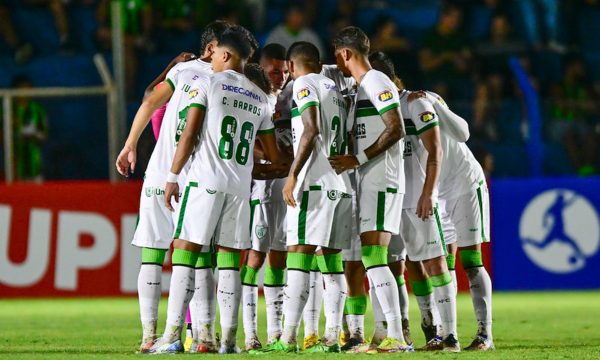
353	38
256	74
381	62
236	38
212	31
308	52
250	38
273	51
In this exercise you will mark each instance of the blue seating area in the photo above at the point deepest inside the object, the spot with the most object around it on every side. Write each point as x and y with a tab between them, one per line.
78	145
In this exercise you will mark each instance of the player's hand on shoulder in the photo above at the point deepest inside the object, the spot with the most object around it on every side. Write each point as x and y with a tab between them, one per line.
341	163
416	95
171	190
126	160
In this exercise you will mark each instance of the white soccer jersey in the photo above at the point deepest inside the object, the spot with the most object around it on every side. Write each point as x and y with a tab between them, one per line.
180	78
344	84
419	116
237	110
376	95
320	91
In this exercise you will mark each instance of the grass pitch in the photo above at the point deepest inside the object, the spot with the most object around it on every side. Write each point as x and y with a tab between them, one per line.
557	325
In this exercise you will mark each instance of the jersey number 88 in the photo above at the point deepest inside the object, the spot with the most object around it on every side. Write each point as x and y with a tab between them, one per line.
226	144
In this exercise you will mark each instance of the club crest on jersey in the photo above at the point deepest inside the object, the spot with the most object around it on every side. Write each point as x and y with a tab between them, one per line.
303	93
385	96
193	94
427	116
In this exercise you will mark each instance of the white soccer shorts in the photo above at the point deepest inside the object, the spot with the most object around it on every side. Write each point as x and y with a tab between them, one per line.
321	218
379	210
268	226
155	222
354	253
423	239
466	219
208	216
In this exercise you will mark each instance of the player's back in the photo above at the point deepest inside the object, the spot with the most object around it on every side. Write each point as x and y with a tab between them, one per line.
236	111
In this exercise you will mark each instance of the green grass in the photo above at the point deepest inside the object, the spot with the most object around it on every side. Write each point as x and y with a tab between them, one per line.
559	325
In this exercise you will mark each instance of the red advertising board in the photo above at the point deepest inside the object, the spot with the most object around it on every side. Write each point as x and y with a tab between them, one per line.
73	239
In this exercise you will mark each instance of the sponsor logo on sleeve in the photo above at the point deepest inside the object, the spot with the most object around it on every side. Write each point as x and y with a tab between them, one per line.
385	96
427	116
303	93
193	94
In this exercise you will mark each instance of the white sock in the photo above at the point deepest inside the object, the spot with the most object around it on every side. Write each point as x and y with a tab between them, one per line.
335	297
380	330
229	293
356	326
249	308
454	281
445	298
426	309
386	290
274	305
481	293
295	296
203	306
181	291
312	310
149	290
403	295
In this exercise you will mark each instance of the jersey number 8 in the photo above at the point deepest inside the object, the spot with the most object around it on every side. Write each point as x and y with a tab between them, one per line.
226	144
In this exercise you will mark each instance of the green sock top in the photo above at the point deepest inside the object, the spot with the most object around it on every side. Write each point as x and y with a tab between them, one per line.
228	260
355	305
421	288
374	255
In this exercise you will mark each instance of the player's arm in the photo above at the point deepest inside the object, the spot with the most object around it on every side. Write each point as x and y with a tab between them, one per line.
185	147
276	168
310	120
184	56
127	157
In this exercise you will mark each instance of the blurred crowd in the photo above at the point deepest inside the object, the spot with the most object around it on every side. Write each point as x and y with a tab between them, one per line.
457	48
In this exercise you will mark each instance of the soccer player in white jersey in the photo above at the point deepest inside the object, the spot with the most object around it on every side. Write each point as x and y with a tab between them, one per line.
227	113
155	227
421	229
319	203
266	230
380	172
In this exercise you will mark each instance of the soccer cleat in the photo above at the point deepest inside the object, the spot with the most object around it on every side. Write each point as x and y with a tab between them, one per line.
276	347
145	347
161	347
322	348
310	341
188	344
450	344
389	345
406	332
344	337
481	343
430	332
229	349
351	343
204	347
434	344
253	344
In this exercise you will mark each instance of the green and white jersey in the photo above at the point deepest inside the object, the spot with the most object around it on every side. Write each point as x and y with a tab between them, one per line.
419	116
180	78
236	111
461	172
320	91
376	95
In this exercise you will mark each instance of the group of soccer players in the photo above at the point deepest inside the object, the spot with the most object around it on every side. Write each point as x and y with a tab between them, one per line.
326	173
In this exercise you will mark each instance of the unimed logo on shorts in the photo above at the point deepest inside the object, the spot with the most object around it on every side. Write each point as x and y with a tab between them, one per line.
559	231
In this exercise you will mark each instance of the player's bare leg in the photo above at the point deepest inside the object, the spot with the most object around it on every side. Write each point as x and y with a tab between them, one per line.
444	293
229	294
398	268
356	305
423	290
480	287
254	262
274	283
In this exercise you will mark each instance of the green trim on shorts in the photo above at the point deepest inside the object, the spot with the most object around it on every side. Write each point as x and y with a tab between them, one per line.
439	225
315	264
422	287
441	280
480	202
228	260
380	221
299	261
184	257
204	260
471	258
153	256
186	193
302	218
331	263
374	255
451	261
315	188
400	280
274	276
249	276
253	204
355	305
